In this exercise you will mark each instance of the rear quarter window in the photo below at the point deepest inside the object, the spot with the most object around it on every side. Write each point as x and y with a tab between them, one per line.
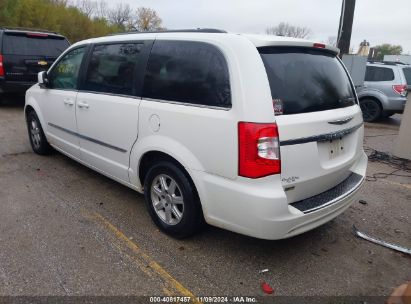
379	74
407	74
304	80
187	72
33	46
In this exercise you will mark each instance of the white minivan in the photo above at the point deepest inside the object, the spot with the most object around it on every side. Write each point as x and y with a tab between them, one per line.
260	135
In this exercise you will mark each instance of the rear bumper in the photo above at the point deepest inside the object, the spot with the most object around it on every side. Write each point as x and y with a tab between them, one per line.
259	208
395	105
14	86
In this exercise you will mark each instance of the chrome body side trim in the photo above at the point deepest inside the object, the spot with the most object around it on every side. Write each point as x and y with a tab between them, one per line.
88	138
321	137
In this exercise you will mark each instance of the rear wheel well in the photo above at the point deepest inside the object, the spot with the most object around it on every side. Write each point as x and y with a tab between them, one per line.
373	98
28	110
153	157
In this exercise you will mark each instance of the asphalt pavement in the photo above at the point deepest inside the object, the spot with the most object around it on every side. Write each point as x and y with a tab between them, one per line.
67	230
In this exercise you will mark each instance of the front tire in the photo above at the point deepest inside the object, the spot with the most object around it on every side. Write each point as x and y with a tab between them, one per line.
371	109
172	200
38	140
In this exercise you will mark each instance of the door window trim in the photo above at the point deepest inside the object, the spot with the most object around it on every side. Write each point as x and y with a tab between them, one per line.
187	104
139	79
86	51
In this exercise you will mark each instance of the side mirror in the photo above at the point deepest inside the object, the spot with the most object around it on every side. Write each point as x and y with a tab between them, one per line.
43	79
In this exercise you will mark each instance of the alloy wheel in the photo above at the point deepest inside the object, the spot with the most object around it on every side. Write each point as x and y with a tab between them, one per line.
167	199
35	134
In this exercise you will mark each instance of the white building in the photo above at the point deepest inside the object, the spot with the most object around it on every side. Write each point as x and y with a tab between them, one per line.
398	58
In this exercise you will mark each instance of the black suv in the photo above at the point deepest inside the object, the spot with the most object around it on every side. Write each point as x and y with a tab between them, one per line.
24	53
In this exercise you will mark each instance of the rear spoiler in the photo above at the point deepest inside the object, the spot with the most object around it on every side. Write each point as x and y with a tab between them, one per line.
309	45
262	41
34	34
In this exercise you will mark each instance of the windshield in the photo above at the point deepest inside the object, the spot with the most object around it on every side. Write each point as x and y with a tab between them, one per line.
306	80
34	46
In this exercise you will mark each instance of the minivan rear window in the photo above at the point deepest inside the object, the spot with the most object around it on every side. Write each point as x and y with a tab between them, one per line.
34	46
306	80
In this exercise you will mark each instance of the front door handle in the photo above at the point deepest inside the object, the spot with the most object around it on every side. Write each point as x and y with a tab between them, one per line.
68	101
82	105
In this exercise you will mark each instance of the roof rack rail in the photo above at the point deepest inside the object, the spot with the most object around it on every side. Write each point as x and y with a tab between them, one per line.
16	28
198	30
396	62
387	62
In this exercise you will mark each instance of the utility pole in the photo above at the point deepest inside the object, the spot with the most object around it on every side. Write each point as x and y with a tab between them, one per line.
345	29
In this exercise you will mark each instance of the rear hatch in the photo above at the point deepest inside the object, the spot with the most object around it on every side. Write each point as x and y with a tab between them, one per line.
319	121
25	54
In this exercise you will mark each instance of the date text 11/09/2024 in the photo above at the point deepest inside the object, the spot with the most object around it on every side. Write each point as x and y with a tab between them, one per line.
212	299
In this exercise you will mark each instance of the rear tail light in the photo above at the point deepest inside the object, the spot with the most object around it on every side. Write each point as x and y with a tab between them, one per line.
1	66
259	150
400	89
319	45
36	35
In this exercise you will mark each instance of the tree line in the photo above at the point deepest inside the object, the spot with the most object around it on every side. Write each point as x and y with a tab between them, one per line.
82	19
78	19
288	30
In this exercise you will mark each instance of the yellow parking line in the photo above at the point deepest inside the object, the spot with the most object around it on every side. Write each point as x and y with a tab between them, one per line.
153	265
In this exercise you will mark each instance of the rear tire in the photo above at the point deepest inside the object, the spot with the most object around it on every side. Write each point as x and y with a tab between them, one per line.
371	109
172	200
38	140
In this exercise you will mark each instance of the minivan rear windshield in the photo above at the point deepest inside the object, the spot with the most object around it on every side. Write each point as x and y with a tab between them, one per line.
50	46
306	80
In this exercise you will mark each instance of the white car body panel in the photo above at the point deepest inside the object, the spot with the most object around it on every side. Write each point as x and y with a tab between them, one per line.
57	109
108	125
204	140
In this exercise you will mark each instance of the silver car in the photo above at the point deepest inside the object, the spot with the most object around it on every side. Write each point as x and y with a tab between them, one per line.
385	90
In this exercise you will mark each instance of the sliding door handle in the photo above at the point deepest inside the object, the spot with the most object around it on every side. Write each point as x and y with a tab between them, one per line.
68	101
82	104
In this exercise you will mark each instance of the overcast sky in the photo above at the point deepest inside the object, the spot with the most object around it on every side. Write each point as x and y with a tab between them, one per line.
378	21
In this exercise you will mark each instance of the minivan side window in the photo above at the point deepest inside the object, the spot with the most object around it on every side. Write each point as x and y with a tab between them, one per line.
379	74
64	74
188	72
112	67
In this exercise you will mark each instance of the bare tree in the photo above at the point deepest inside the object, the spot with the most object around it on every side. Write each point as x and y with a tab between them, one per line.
120	15
87	7
102	9
146	19
288	30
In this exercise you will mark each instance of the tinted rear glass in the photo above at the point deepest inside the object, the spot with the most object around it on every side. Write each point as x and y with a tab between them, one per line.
33	46
306	80
189	72
407	74
379	74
